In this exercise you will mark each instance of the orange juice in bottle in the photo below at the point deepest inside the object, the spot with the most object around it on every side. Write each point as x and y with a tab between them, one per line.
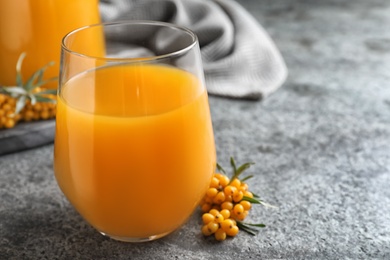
36	27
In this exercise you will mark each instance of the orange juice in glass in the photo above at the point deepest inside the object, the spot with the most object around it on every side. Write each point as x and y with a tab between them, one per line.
36	27
134	147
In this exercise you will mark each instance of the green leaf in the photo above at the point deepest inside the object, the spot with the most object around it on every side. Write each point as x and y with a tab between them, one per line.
30	82
19	79
247	178
45	99
41	83
247	229
20	103
14	90
219	167
252	200
267	205
233	164
239	170
255	195
39	79
33	99
47	92
36	78
242	168
256	225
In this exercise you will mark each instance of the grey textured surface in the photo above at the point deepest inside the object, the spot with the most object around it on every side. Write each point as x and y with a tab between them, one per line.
321	145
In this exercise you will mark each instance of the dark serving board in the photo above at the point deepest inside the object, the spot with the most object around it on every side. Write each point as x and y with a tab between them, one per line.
26	135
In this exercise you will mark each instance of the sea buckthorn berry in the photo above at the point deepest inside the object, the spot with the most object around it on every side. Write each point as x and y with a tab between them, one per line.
248	194
206	231
243	187
28	105
220	235
242	216
36	116
44	114
229	190
45	107
214	182
219	218
9	114
229	198
227	205
217	207
11	101
208	200
7	107
225	213
206	207
232	231
236	183
237	196
207	218
211	192
53	112
218	175
17	117
214	212
246	204
224	181
9	123
213	226
37	106
28	115
227	224
219	198
238	209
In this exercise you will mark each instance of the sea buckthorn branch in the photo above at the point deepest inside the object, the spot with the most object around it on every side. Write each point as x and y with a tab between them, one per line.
27	101
227	203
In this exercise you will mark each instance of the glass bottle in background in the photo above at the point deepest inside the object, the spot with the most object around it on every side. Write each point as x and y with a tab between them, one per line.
36	27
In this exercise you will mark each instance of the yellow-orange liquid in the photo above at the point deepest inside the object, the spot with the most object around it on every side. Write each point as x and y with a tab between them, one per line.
36	27
134	148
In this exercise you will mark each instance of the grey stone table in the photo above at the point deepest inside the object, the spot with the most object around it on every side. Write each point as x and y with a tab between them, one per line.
321	144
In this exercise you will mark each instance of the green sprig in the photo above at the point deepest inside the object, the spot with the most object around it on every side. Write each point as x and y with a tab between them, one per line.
238	171
249	228
26	91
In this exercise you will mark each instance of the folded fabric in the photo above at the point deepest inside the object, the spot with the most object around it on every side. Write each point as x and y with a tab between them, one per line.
239	58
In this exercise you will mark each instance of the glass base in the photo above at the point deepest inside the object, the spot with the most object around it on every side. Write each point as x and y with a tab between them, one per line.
135	239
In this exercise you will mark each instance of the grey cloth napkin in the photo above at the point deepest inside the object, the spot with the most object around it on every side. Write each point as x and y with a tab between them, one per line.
239	58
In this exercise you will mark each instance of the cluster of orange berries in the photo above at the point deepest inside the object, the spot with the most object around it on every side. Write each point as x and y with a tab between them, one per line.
219	223
30	112
226	204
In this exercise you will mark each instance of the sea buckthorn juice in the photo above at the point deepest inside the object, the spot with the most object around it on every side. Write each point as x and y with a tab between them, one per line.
134	146
36	27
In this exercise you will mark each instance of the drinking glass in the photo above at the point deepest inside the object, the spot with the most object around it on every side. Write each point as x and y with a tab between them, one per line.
134	146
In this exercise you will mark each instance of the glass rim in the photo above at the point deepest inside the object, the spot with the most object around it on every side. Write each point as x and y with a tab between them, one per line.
185	30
